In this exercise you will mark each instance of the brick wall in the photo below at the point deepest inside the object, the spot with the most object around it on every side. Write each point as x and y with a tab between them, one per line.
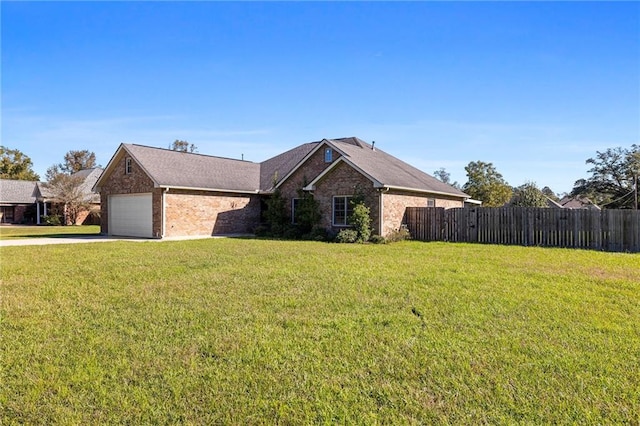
206	213
18	213
346	181
396	203
304	175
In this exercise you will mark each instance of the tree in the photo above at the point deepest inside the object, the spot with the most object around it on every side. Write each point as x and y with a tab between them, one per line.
183	146
529	195
548	192
74	161
67	190
307	212
16	165
612	179
66	187
443	176
486	184
276	214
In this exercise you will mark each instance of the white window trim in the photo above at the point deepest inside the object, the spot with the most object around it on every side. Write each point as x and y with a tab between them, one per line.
328	155
127	165
333	211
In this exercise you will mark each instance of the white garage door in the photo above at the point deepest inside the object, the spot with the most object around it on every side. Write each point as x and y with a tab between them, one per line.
130	215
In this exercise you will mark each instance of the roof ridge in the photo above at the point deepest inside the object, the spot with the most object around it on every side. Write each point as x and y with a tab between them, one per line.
191	153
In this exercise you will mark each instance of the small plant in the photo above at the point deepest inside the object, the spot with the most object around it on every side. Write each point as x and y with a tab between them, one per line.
399	235
261	231
347	236
52	220
318	233
377	239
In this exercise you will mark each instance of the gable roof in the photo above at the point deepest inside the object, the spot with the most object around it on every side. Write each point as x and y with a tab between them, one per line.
181	170
90	177
17	191
578	202
280	167
384	170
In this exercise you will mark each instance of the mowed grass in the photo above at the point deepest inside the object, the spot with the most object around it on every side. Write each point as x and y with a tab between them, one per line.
232	331
35	231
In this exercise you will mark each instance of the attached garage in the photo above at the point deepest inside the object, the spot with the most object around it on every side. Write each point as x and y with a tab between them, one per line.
131	215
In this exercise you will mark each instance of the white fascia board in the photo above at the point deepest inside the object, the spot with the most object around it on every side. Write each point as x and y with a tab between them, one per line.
424	191
309	155
111	163
191	188
472	201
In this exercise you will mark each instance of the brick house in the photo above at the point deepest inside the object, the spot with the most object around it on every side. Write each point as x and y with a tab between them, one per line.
154	192
27	202
17	200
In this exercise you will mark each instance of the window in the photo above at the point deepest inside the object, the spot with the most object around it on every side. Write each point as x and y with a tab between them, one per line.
127	166
431	202
328	155
6	214
342	209
294	207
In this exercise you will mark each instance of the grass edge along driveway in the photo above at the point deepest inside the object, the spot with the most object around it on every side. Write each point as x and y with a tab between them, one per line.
259	332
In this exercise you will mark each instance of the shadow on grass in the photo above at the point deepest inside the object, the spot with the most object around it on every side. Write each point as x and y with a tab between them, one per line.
70	235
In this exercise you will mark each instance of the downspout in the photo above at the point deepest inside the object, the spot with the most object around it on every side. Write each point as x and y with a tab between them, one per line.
381	191
164	213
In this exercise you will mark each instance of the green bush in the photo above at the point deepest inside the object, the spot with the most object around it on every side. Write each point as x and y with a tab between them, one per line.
361	222
377	239
318	233
399	235
307	213
347	236
52	220
276	214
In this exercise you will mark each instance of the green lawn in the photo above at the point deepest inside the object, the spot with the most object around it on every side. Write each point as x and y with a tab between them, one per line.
233	331
14	232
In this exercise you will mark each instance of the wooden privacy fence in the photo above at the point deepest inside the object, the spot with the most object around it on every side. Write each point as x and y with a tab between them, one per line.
608	230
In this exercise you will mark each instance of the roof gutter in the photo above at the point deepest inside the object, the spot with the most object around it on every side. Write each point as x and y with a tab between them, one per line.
191	188
425	191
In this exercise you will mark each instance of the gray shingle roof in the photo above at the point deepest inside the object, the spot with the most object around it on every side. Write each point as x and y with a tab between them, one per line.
280	165
389	170
196	171
90	177
17	191
187	170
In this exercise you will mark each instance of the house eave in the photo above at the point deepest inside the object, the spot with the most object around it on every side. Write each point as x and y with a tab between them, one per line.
192	188
306	157
422	191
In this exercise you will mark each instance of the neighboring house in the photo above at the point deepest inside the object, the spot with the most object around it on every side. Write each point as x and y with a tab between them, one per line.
92	215
578	202
29	202
550	203
17	201
154	192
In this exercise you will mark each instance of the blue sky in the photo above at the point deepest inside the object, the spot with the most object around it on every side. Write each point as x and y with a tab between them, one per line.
534	88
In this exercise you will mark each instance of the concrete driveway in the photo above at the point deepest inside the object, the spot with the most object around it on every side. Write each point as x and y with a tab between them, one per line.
79	239
76	239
